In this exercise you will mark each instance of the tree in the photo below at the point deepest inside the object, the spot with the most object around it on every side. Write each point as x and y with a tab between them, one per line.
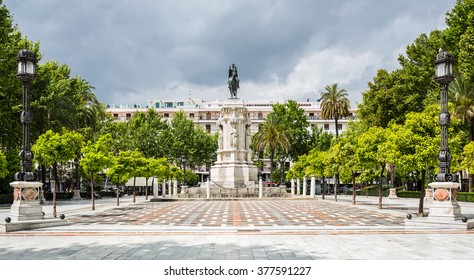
370	153
334	104
391	96
320	139
414	145
96	158
55	149
3	165
315	163
147	132
294	120
271	139
468	159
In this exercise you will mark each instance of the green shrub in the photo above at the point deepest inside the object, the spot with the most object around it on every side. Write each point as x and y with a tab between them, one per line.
6	198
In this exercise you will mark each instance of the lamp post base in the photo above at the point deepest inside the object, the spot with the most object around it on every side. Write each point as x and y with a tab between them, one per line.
393	193
445	211
77	195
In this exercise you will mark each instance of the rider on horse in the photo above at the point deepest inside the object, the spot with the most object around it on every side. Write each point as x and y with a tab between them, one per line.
233	81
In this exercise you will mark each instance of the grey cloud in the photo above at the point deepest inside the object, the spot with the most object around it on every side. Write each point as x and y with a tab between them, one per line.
127	48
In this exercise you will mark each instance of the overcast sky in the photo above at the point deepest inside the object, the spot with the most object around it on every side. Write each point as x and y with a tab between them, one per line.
141	50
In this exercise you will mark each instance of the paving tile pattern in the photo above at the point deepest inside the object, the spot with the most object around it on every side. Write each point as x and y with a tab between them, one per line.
270	213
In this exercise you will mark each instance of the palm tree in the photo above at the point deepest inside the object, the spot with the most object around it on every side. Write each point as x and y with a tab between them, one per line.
463	101
272	138
334	104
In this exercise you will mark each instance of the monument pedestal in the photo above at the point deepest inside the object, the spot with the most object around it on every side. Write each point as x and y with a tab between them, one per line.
445	212
234	167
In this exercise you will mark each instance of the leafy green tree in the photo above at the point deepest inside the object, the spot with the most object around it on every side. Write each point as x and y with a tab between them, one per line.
334	104
468	159
320	139
370	153
120	170
61	101
148	134
316	163
3	165
120	134
271	139
294	120
204	148
414	145
55	149
182	136
97	157
391	96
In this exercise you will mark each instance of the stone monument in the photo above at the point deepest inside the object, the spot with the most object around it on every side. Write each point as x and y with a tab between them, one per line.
234	167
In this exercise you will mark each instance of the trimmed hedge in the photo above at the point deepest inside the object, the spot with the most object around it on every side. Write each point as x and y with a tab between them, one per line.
6	198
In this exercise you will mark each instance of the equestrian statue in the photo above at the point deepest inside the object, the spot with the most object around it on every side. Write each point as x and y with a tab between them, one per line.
233	81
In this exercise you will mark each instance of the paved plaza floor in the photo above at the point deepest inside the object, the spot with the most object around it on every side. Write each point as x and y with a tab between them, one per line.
273	229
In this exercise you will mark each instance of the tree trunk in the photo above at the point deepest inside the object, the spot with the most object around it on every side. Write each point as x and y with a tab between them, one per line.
353	188
146	188
337	131
380	186
324	187
336	187
282	162
92	192
56	185
118	191
271	168
134	190
422	192
471	182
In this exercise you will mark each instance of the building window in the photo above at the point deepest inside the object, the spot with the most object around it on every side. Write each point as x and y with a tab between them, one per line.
208	128
191	115
339	126
259	115
208	116
115	116
311	116
166	115
326	126
128	116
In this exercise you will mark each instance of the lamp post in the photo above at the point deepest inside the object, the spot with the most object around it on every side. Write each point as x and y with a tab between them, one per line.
445	211
27	74
26	204
444	75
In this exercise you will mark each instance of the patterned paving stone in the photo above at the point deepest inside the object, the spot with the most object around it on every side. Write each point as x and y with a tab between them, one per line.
266	213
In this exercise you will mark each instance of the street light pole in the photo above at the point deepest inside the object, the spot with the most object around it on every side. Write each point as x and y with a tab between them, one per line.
444	75
27	74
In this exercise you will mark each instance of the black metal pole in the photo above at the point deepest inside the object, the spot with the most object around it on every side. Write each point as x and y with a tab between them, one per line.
26	156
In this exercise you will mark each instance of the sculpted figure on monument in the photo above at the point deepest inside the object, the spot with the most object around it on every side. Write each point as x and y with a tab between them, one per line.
233	81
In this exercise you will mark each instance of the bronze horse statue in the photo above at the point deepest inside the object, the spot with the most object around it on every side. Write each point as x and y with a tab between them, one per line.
233	81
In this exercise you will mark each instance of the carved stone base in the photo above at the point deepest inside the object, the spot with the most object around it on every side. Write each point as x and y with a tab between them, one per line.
26	205
393	193
445	212
77	195
234	175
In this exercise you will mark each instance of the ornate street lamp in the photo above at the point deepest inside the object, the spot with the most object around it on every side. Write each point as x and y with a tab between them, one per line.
444	75
27	74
